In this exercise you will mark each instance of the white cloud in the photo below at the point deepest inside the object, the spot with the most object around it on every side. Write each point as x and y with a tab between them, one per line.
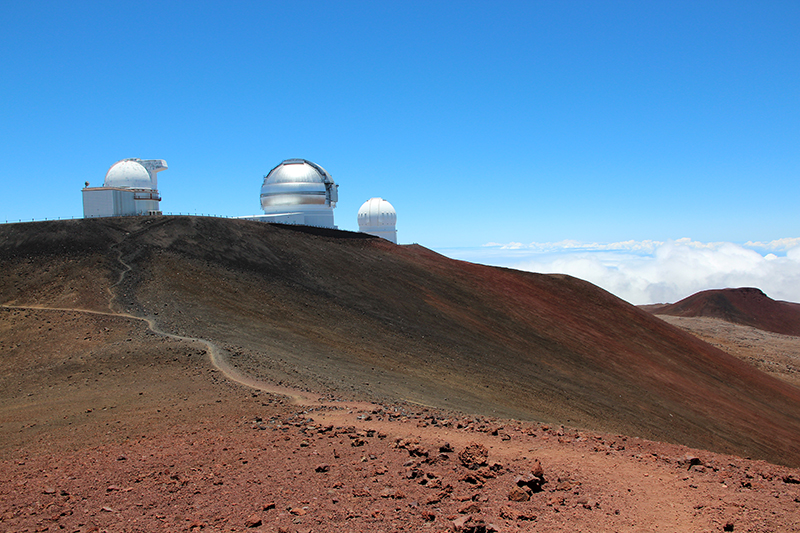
653	271
777	245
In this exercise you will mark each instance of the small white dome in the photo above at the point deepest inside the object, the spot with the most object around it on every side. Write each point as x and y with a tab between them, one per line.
129	174
375	213
378	217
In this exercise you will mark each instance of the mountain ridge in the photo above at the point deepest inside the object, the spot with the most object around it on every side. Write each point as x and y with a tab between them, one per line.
748	306
349	314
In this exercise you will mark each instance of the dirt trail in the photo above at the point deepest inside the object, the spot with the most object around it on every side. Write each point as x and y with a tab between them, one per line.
650	499
308	464
216	354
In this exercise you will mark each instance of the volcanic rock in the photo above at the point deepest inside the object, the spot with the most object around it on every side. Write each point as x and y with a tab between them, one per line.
474	456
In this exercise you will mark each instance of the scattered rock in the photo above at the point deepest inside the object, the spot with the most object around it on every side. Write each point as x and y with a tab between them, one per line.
459	523
474	456
253	521
587	503
471	507
322	468
689	461
412	446
392	493
518	494
537	469
472	479
533	481
428	516
466	524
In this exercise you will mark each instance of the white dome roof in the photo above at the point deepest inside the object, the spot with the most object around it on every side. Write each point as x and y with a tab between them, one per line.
376	213
298	182
128	173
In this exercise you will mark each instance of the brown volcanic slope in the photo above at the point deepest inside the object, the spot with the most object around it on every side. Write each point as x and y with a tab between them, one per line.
356	316
747	306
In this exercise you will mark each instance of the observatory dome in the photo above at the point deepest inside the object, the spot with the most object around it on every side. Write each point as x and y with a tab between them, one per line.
128	174
297	182
378	217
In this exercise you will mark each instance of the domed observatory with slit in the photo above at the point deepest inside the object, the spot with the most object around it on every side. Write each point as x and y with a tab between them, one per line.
378	217
298	191
130	188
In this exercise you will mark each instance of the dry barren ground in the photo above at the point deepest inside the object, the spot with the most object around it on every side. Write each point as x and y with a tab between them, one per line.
109	425
144	434
773	353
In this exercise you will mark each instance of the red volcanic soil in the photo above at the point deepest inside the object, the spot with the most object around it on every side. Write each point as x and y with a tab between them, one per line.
358	317
747	306
107	427
141	357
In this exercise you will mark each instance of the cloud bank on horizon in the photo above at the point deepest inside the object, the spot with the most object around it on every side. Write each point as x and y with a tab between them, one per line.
650	271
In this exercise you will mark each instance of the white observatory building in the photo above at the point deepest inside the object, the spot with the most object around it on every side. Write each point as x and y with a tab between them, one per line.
378	217
298	191
130	188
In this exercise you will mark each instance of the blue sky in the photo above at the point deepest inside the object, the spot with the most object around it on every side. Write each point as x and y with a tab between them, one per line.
514	123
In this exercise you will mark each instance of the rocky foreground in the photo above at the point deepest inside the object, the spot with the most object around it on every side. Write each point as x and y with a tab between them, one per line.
147	385
249	461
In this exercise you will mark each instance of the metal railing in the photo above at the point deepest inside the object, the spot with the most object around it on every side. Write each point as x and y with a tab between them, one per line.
187	214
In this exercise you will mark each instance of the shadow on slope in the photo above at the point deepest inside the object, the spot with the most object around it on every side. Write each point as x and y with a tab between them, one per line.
358	316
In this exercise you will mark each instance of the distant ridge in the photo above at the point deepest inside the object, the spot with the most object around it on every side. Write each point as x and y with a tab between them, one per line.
351	315
748	306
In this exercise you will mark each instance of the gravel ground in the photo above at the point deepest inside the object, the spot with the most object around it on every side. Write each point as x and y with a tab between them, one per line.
145	434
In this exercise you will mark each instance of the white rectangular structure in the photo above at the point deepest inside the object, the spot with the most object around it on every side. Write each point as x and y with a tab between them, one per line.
116	202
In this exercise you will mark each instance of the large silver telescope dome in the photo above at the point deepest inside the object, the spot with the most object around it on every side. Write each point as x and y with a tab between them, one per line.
297	182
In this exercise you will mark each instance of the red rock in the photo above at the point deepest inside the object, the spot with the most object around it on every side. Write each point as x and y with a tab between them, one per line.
471	507
392	493
459	523
474	456
253	521
537	469
517	494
